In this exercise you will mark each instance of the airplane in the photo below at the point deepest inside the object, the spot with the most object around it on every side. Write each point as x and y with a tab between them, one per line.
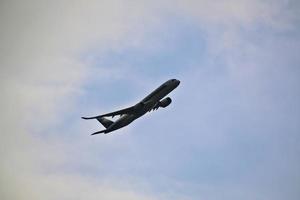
151	102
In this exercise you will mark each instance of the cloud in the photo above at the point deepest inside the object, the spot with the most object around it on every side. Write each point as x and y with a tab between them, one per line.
41	73
43	77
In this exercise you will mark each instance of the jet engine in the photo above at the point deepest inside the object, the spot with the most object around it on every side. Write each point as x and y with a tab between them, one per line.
165	102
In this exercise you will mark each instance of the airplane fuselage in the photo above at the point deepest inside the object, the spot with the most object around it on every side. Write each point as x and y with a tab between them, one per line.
144	105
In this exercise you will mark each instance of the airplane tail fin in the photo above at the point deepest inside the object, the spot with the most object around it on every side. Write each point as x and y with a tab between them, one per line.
105	122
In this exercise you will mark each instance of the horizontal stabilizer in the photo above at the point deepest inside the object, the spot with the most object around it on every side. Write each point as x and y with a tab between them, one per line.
98	132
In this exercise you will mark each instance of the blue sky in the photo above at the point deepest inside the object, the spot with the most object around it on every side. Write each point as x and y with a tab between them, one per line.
231	132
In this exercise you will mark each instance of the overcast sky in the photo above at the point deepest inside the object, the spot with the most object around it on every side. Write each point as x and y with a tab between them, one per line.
232	131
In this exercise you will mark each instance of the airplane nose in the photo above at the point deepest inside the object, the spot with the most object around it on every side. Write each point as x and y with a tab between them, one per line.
174	82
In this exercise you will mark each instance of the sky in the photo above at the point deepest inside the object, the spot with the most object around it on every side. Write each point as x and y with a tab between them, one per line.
231	132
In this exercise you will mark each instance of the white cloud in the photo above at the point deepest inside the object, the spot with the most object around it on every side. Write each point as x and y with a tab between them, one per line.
41	75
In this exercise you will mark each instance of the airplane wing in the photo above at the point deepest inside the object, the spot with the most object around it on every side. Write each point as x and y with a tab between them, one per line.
124	111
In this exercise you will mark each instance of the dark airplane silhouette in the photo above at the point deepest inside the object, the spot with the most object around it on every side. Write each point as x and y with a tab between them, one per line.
151	102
